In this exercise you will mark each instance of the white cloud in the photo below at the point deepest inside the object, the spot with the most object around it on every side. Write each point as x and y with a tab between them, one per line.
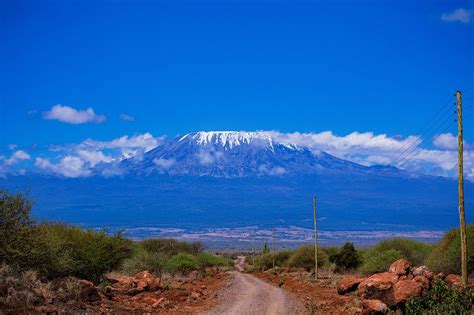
446	141
208	157
144	142
127	117
69	166
94	157
272	171
18	156
459	15
164	163
71	115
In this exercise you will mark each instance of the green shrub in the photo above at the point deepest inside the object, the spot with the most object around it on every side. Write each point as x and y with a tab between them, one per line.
205	260
331	251
143	260
265	261
170	246
182	263
64	250
16	234
441	299
347	258
303	257
446	255
416	252
376	261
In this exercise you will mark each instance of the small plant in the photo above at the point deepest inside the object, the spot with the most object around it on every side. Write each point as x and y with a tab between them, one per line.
441	299
311	306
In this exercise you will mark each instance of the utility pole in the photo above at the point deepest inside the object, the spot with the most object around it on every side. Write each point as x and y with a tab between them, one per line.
253	253
315	241
273	237
462	220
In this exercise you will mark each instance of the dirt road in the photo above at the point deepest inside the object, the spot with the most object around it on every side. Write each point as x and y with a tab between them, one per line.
248	295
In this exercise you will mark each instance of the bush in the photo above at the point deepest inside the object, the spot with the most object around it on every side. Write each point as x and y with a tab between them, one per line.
265	261
170	246
205	260
16	234
376	261
22	289
347	258
303	257
446	255
416	252
143	260
182	263
69	251
441	299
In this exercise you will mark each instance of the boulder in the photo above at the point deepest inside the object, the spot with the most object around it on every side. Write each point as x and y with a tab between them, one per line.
406	289
454	280
140	282
439	276
379	287
374	307
419	271
425	283
145	281
400	267
348	284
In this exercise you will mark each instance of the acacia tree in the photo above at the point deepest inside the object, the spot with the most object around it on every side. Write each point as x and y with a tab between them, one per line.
16	233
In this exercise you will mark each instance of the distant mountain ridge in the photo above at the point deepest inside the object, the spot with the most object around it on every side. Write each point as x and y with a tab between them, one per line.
231	154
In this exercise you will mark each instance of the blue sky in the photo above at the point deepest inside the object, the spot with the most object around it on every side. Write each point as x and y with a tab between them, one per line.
181	66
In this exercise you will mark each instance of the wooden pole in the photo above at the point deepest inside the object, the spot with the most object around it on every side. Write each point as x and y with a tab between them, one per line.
462	220
315	241
273	237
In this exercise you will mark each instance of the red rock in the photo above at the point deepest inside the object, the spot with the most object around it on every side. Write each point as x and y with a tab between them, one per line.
145	281
400	267
440	276
403	278
454	280
379	287
405	289
425	283
374	307
348	284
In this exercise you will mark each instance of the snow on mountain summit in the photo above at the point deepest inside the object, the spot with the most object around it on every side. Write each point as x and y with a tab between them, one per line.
231	139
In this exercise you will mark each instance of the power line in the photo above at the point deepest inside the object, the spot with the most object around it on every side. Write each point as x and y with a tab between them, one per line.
421	138
421	129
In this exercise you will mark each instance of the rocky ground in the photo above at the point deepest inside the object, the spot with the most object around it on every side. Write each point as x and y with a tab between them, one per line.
138	294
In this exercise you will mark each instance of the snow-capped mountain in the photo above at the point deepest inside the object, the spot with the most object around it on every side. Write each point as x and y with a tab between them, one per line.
235	154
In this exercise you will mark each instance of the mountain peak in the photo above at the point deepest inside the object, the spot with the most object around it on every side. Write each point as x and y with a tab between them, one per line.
230	138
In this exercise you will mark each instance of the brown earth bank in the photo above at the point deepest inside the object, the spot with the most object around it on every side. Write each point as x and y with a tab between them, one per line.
139	294
318	297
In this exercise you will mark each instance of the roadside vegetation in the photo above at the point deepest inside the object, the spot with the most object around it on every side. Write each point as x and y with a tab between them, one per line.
35	254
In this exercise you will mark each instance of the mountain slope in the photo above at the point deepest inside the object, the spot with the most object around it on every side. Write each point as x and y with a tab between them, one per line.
231	154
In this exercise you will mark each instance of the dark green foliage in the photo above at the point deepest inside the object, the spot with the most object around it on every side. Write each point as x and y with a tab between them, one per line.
347	258
376	261
171	247
446	255
303	257
63	250
331	251
379	257
16	237
441	299
182	263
